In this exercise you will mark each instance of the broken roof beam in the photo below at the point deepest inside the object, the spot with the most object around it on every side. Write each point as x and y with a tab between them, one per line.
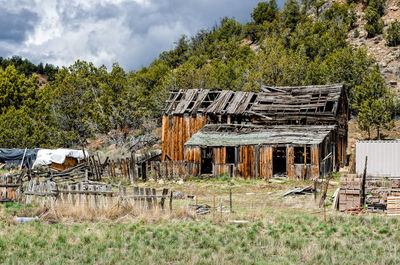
259	115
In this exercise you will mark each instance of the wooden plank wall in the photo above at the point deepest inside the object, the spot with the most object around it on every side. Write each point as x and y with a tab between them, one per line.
247	167
290	161
266	162
192	155
219	161
176	130
315	161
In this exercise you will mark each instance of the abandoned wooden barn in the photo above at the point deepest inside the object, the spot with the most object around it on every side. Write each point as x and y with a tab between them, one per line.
300	132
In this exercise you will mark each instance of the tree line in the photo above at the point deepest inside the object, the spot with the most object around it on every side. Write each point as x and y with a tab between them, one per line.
278	47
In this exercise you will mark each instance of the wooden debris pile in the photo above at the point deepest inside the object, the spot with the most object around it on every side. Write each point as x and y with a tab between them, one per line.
10	187
300	191
393	205
92	169
376	193
350	192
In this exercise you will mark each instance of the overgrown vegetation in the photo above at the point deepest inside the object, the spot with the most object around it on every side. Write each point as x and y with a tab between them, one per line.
393	34
285	47
374	10
285	240
28	68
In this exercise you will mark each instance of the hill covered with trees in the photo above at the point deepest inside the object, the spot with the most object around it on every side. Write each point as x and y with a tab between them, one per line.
298	45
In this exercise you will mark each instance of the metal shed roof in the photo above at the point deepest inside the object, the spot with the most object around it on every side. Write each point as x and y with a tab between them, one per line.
234	135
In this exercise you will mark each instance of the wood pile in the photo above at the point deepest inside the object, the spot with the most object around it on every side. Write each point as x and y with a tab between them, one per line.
349	198
350	192
393	205
381	194
10	187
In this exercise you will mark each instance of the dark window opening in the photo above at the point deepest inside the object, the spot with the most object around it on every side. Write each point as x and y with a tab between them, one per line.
230	155
299	155
224	119
206	160
308	155
279	160
329	106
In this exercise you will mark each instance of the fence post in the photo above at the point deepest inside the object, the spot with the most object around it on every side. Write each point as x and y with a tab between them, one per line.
170	202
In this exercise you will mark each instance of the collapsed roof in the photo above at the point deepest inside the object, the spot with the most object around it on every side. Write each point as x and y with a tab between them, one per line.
273	103
214	135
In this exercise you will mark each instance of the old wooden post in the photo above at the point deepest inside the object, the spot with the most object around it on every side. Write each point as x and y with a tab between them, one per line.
133	167
230	200
363	182
164	195
170	202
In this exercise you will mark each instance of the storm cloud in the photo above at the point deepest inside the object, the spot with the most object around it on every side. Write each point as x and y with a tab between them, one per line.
130	32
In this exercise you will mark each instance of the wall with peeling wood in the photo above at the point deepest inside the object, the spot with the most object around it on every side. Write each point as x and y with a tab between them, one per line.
219	157
192	158
266	162
315	161
254	162
290	162
176	130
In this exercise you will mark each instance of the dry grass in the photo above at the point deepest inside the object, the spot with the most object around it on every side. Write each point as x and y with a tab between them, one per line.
274	230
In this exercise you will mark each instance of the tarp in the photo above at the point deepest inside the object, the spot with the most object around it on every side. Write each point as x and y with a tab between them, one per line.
15	156
48	156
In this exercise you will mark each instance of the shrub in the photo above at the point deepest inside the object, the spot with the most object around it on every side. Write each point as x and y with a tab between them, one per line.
374	24
393	34
356	33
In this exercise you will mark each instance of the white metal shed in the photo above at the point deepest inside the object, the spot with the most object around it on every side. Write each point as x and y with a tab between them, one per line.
383	158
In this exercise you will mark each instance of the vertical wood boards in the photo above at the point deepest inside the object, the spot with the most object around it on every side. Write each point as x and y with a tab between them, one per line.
314	161
290	161
265	162
176	130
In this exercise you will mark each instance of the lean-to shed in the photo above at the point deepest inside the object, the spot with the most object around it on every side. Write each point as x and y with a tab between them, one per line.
297	131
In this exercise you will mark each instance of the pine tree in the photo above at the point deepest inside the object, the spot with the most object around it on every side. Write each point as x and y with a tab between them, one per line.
374	103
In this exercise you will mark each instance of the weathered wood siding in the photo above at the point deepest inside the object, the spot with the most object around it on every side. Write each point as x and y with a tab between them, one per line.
290	162
192	158
266	162
220	167
176	130
247	158
315	161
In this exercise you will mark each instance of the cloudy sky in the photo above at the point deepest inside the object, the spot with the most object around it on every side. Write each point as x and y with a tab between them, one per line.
130	32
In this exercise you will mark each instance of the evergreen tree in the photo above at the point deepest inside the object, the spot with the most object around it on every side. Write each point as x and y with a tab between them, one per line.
265	11
374	103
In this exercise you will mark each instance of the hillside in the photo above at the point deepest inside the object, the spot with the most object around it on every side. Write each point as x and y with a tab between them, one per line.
387	57
279	47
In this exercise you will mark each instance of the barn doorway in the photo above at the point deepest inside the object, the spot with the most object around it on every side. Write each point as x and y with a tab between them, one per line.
279	161
206	160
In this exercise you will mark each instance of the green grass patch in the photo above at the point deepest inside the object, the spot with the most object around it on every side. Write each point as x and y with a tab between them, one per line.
286	240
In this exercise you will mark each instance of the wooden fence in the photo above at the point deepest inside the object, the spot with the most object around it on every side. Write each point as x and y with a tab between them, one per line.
173	169
10	188
94	195
123	167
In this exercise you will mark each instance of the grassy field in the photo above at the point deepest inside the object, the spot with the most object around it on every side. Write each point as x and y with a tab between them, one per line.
276	230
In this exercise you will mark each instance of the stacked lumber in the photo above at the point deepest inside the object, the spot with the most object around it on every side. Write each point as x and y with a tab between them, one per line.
393	205
350	181
349	198
350	192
